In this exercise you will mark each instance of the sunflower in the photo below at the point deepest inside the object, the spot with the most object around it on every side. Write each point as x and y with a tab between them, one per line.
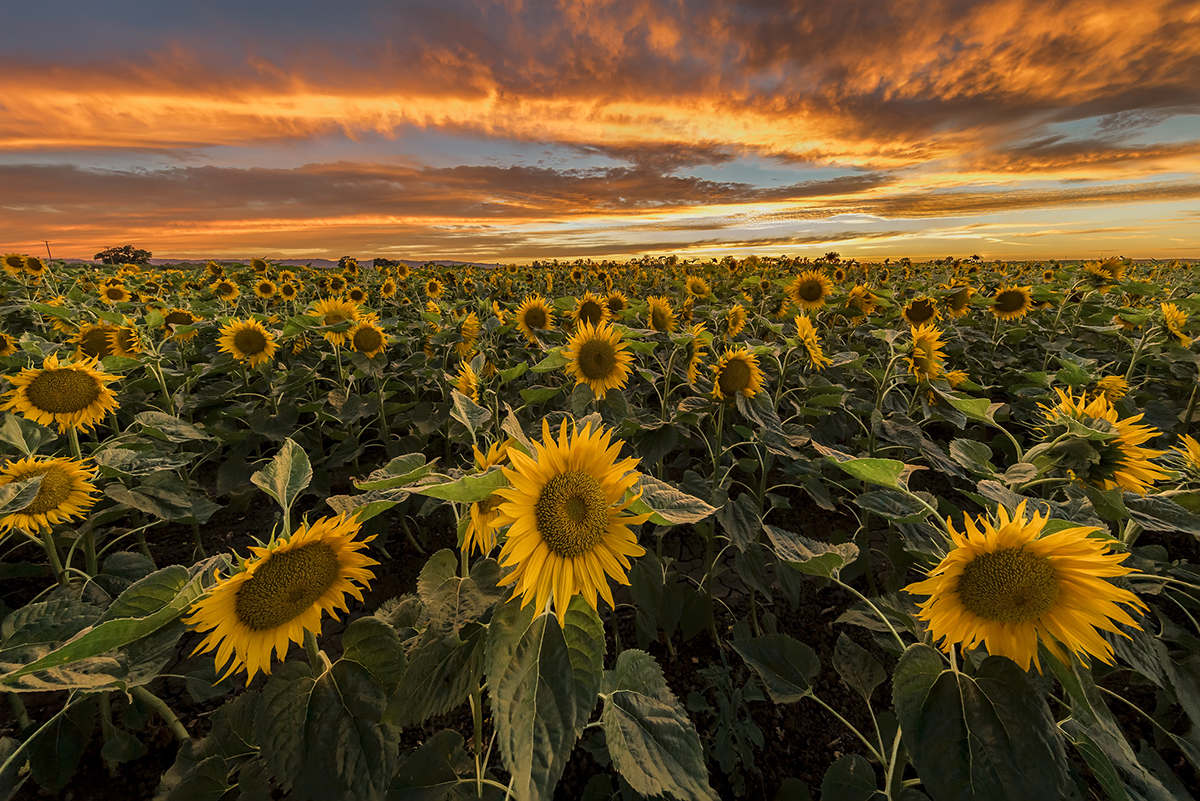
590	309
433	288
114	294
247	341
1112	387
259	265
564	507
597	357
387	289
1103	273
481	533
736	371
616	303
1004	586
34	266
176	317
697	287
94	340
926	361
1122	462
356	294
467	381
1012	302
863	299
225	289
698	338
214	270
807	335
810	290
403	271
124	341
1175	319
14	263
958	301
735	319
534	314
288	291
265	288
336	283
8	345
74	395
283	591
1187	456
660	315
920	311
366	338
64	494
334	311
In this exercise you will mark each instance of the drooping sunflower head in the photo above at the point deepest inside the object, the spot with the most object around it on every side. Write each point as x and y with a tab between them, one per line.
565	511
124	341
482	530
591	309
735	320
1112	387
225	289
247	341
926	361
958	302
1106	451
597	356
736	372
284	590
466	381
1109	271
72	394
920	311
660	315
806	332
1012	302
1174	319
698	340
64	494
1186	456
177	317
863	299
1004	586
8	345
810	290
533	315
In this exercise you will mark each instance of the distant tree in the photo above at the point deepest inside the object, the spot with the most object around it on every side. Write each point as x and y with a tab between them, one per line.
380	261
833	256
126	254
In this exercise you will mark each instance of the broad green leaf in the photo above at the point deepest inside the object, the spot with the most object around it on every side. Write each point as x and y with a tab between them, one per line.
17	495
651	740
987	736
440	674
974	456
981	410
169	428
861	671
116	632
468	412
741	520
451	601
55	750
61	312
127	462
1155	513
809	556
543	681
882	472
892	505
288	474
850	778
25	435
323	737
539	394
399	472
786	666
376	646
668	506
468	489
554	361
431	772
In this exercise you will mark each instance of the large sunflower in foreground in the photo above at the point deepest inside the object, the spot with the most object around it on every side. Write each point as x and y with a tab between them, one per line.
736	372
1005	586
534	314
810	290
65	492
1012	302
283	591
247	341
1123	462
598	357
568	533
72	394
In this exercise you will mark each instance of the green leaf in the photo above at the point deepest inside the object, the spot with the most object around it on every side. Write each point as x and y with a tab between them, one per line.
850	778
25	435
286	476
452	602
883	472
468	489
323	737
651	740
440	674
974	456
892	505
668	506
114	632
861	671
163	495
399	472
543	681
127	462
56	748
539	394
17	495
990	736
554	361
741	520
786	666
432	771
169	428
1155	513
376	646
468	412
981	410
809	556
60	312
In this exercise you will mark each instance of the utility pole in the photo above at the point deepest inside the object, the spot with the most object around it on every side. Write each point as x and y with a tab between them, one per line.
48	256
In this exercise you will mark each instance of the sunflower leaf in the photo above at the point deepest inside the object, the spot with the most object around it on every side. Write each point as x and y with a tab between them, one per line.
25	435
809	556
441	672
17	495
288	474
668	506
651	740
467	489
543	681
786	666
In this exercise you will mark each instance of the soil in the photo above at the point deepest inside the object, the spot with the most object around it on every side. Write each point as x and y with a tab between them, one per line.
801	740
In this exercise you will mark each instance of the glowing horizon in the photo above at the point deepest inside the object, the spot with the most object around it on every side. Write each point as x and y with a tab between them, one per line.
511	131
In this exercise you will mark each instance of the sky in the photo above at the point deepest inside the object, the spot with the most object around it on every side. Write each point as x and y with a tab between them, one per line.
516	130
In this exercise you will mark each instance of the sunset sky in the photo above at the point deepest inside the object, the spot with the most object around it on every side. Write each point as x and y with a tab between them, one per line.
528	129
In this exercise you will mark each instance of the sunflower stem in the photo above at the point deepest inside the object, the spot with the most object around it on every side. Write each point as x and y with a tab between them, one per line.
313	652
143	546
73	438
91	563
197	543
1191	408
55	556
477	717
874	751
107	730
165	712
878	611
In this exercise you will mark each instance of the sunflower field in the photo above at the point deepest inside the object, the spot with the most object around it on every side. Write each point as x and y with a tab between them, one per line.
745	528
